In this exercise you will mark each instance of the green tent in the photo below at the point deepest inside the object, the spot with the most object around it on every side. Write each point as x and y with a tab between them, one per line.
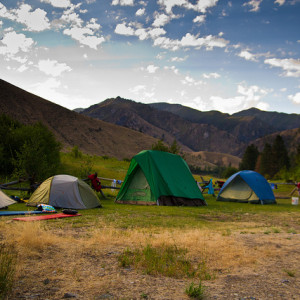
159	178
64	191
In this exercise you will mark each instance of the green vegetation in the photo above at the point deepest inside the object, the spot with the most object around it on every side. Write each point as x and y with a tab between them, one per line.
29	151
249	158
165	260
290	273
273	161
173	148
196	292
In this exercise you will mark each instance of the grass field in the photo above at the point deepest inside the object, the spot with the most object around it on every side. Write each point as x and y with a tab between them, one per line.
224	250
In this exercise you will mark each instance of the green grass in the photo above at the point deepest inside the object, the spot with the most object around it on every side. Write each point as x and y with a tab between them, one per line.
166	260
196	292
217	215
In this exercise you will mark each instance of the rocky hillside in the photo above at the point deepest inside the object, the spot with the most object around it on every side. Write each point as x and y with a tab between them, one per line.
164	125
71	128
211	131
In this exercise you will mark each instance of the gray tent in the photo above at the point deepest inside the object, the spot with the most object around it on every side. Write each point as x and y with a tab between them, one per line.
5	200
65	191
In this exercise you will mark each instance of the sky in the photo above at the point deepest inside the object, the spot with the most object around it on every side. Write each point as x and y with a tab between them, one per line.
206	54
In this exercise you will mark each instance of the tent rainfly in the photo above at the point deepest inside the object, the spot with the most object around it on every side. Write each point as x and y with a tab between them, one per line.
64	191
247	186
5	200
159	178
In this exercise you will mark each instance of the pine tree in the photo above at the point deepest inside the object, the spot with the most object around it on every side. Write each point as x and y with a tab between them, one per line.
265	167
249	158
280	155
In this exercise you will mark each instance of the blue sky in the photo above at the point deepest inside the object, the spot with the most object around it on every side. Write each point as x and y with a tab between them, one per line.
206	54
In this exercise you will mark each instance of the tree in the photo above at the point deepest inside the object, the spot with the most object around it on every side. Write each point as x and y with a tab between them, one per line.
249	158
174	148
8	143
265	167
38	156
279	155
160	146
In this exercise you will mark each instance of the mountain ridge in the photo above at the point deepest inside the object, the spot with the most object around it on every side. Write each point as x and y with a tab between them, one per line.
211	131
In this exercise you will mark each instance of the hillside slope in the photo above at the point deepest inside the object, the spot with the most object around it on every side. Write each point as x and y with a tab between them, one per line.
164	125
247	125
71	128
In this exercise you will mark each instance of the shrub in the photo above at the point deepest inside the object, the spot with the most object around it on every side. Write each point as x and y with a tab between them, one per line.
196	292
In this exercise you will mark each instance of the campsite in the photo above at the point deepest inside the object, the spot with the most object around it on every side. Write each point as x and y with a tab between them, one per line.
230	250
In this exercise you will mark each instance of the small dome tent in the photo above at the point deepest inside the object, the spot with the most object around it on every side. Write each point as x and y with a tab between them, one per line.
159	178
247	186
5	200
64	191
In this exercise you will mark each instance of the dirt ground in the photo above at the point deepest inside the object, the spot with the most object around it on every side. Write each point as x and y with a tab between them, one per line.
255	266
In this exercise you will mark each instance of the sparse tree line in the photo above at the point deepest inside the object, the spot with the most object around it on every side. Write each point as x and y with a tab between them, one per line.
273	162
31	151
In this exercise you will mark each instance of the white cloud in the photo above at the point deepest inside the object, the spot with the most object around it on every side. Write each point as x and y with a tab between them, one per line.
137	89
161	20
190	81
200	6
179	59
123	2
289	65
169	4
4	13
173	69
70	17
123	29
58	3
247	55
295	98
142	34
247	97
84	36
152	69
156	32
22	68
14	43
140	12
280	2
254	4
34	20
211	75
199	19
208	41
189	40
53	67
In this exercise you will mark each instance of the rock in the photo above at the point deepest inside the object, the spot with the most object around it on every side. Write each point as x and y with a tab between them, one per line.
69	295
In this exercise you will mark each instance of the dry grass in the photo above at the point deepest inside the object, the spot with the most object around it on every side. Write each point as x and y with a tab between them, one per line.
59	256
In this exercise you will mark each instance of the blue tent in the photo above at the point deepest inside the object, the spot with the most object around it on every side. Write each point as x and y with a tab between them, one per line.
247	186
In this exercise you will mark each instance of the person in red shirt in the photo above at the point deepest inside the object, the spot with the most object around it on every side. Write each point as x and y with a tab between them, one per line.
96	184
298	188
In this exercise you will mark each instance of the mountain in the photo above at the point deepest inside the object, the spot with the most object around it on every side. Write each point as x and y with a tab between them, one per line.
246	125
71	128
278	121
210	131
164	125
